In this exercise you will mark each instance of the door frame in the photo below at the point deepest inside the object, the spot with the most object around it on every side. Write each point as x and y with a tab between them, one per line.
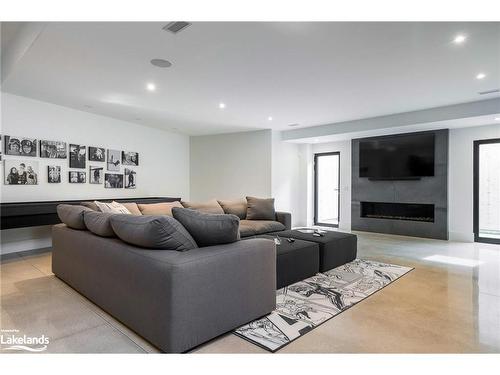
476	171
316	189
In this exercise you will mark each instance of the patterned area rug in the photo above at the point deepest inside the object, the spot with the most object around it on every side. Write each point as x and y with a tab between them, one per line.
305	305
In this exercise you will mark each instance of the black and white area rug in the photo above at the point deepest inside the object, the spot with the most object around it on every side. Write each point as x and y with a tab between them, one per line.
305	305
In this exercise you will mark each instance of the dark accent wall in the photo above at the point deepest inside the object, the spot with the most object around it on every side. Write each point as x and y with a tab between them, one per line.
427	190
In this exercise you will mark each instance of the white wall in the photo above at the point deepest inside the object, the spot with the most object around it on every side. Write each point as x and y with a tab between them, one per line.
460	179
344	147
163	169
288	187
231	165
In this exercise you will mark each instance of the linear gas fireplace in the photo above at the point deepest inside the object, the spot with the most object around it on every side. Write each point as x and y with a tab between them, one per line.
398	211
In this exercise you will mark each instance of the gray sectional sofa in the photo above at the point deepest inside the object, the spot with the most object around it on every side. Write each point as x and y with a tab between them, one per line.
180	277
175	299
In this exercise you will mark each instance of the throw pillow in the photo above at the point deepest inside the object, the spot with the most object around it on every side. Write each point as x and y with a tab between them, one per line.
164	208
236	207
209	207
152	232
72	215
208	229
90	205
99	223
113	207
133	208
260	209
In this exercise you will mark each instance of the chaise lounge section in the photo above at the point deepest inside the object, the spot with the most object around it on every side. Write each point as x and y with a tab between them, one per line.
176	300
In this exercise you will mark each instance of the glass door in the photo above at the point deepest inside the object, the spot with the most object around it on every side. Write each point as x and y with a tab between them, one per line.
327	189
487	191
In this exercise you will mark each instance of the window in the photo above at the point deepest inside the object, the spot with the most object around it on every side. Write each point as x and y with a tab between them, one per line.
487	191
327	189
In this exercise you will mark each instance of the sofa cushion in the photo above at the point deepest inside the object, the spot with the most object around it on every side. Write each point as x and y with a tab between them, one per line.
254	227
152	232
99	223
260	209
209	207
132	207
90	205
113	207
246	229
164	208
72	215
236	207
209	229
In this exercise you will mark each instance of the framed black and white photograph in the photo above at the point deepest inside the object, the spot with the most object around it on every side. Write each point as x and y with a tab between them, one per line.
21	172
130	178
113	181
53	174
77	156
130	158
96	175
97	154
53	149
77	177
114	157
20	146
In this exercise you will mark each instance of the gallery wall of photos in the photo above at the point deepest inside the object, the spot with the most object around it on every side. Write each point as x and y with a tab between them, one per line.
115	169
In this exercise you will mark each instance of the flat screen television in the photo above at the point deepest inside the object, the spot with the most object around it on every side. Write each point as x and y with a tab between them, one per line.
397	157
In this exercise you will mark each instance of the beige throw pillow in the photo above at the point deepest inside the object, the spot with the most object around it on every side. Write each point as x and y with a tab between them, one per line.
133	208
113	207
209	207
236	207
164	208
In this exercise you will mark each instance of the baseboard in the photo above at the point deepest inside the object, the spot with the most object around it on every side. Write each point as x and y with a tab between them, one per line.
461	236
25	245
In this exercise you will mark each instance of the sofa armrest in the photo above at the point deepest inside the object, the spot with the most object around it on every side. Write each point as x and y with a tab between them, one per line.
284	218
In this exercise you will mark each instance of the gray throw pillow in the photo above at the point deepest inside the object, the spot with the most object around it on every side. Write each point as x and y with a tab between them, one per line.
72	215
236	207
152	232
260	209
208	229
99	223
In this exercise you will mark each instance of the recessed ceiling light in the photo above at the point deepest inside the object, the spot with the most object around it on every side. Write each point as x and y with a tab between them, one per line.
459	39
480	76
161	63
497	118
316	140
151	87
222	105
269	118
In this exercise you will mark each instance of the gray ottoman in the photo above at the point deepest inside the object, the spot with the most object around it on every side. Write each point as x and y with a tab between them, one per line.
295	261
335	248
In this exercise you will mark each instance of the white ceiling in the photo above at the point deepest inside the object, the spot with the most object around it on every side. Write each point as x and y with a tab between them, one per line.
305	73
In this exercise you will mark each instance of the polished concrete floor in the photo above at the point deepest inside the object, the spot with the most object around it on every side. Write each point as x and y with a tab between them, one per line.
449	303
